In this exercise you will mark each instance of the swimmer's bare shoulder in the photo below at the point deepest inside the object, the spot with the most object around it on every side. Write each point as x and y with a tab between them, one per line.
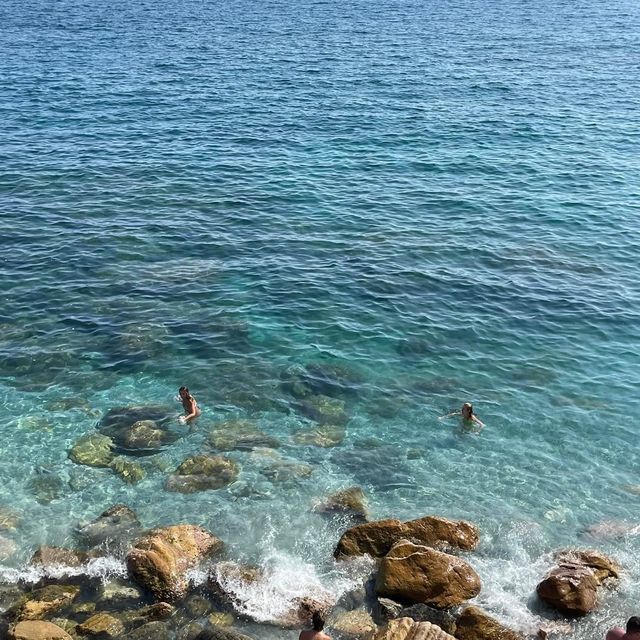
313	635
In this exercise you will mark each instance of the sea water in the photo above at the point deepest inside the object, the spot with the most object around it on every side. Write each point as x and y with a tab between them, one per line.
441	198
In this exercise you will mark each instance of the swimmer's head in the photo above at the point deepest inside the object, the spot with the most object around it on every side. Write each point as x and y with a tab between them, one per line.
467	410
317	620
184	392
633	624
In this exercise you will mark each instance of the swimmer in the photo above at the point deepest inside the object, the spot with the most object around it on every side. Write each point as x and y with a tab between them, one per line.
189	404
317	632
467	415
632	632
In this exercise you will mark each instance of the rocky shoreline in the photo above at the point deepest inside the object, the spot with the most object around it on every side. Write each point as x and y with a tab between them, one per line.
420	585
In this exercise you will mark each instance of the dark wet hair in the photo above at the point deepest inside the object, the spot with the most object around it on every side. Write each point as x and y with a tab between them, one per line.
317	620
633	624
185	389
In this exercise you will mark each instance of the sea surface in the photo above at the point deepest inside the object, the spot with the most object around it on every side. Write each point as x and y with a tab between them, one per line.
423	203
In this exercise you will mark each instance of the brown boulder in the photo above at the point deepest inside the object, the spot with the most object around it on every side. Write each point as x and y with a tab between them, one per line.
376	538
474	624
38	630
159	561
408	629
412	573
570	588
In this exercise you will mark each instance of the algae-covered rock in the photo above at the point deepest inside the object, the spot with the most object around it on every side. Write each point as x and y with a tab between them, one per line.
324	410
412	573
144	615
202	473
140	430
150	631
221	619
241	435
38	630
93	450
159	560
101	624
130	471
42	602
350	502
322	436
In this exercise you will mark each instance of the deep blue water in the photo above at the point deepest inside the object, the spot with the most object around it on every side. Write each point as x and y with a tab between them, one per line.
441	198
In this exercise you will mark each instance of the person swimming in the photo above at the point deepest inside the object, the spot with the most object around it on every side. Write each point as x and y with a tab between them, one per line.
467	415
189	404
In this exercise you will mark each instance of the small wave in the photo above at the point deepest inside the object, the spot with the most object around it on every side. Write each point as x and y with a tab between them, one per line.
285	580
103	568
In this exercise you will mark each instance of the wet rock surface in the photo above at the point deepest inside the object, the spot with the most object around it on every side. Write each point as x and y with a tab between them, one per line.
38	630
475	624
377	538
159	560
412	574
242	435
350	502
93	450
408	629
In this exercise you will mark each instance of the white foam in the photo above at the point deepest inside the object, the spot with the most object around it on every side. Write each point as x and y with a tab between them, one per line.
103	568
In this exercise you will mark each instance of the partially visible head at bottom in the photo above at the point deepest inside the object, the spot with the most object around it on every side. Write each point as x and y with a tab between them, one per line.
317	620
633	624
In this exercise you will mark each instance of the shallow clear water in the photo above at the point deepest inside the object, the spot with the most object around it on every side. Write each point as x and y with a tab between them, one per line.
440	197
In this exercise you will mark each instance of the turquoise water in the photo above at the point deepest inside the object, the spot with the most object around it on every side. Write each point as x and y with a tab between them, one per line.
441	199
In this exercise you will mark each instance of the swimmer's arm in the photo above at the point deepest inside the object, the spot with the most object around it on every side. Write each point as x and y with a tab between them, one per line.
449	415
477	421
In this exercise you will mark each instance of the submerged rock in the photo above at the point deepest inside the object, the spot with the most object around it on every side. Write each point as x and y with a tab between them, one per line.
7	548
58	557
144	615
93	450
117	526
221	633
412	573
159	560
611	530
45	485
117	595
38	630
101	624
9	519
202	473
150	631
320	378
131	472
352	625
377	538
241	435
350	502
324	410
285	472
322	436
474	624
42	602
424	613
139	431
